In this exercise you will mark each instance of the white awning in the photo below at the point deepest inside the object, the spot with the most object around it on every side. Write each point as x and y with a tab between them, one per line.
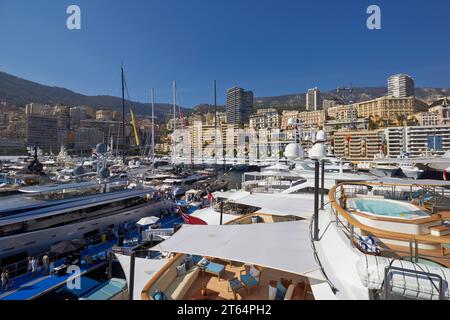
144	271
212	217
299	205
284	246
146	221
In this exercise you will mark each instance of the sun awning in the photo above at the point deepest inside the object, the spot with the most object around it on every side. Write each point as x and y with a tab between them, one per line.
146	221
299	205
143	272
212	217
284	246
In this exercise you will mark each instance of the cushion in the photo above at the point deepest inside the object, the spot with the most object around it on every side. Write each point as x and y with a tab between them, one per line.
179	287
290	292
214	267
203	262
254	272
189	262
248	280
281	292
158	295
286	283
181	270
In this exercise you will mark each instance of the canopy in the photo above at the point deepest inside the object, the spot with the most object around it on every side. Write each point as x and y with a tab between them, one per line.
212	217
67	246
146	221
299	205
284	246
143	272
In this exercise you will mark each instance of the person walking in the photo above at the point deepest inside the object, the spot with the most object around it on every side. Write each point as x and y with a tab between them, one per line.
45	263
30	264
51	267
34	266
5	280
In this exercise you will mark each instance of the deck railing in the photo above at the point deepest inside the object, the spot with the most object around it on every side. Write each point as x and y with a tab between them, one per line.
350	226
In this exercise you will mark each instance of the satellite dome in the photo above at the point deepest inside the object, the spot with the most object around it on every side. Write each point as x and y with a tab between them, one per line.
293	151
101	148
318	151
321	136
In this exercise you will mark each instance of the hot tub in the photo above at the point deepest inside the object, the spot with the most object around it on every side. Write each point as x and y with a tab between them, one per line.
387	208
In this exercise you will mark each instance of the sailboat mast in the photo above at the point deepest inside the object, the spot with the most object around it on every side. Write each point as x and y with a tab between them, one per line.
123	116
215	125
153	127
174	121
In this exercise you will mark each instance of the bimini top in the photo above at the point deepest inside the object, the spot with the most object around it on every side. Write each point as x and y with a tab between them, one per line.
284	246
75	204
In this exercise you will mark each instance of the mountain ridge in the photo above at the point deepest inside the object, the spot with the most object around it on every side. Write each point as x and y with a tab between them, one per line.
19	92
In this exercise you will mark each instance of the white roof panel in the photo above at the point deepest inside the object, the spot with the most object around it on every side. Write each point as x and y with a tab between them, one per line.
284	246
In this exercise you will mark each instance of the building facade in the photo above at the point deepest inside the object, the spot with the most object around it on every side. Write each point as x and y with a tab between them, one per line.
357	145
401	86
41	131
239	106
313	99
265	119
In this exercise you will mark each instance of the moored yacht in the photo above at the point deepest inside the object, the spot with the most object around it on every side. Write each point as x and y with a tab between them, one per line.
31	224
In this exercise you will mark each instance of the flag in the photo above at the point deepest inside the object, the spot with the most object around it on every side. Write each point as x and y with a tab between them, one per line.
348	138
187	219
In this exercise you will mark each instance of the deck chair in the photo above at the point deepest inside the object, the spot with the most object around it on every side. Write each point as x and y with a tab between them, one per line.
250	277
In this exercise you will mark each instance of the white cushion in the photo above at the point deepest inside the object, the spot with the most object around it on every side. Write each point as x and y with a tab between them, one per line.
254	272
181	270
202	262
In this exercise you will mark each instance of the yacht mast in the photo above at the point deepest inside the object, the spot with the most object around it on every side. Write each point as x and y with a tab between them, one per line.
153	127
174	121
215	125
123	118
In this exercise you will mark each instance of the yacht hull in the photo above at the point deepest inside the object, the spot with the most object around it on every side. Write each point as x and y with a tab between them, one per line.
38	242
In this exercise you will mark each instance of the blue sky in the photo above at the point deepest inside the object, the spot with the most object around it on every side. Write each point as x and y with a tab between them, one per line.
273	47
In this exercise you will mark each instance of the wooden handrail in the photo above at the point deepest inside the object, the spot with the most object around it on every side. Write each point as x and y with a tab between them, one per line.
379	232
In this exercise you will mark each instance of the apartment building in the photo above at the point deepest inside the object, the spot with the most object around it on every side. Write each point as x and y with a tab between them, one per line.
265	119
309	119
401	86
357	145
239	105
417	140
41	131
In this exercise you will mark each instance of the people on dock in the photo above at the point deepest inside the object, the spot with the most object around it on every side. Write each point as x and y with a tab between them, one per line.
30	264
45	263
34	266
51	267
5	280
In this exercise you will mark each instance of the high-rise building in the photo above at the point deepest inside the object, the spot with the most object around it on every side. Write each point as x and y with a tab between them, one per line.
239	106
313	99
401	86
41	131
76	115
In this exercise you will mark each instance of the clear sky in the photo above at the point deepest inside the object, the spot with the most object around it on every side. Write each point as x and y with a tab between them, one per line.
273	47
